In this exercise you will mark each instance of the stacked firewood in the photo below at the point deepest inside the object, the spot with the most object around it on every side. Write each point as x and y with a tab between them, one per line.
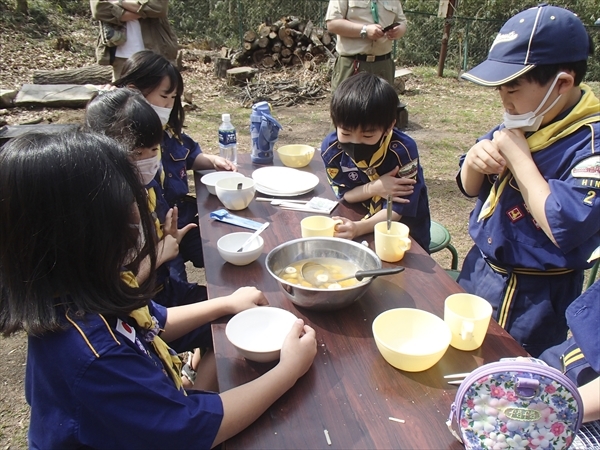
289	41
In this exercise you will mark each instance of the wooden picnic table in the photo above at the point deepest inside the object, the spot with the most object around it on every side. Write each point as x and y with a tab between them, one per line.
350	390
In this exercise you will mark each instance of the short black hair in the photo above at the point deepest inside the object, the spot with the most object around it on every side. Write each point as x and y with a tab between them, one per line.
125	115
543	73
66	201
364	101
145	70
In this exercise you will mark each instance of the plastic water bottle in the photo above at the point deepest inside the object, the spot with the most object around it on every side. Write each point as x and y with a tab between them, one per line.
227	139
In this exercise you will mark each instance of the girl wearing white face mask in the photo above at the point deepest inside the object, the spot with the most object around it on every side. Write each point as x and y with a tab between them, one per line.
125	115
162	85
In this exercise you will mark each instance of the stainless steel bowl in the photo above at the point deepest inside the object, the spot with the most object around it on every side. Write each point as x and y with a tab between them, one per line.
321	299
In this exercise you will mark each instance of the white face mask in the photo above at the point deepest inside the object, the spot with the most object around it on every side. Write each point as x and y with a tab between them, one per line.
531	121
148	168
163	113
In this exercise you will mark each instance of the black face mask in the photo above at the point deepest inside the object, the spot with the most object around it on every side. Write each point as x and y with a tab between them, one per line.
360	152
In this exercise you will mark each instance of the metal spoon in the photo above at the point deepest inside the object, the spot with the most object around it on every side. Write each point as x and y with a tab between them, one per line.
389	212
308	273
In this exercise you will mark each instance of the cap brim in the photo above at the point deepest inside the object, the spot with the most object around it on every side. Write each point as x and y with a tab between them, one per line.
495	73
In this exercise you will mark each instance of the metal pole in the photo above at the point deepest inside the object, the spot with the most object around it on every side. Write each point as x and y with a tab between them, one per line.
466	50
446	37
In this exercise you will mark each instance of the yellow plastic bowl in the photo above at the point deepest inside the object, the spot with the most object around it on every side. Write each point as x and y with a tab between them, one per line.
297	155
410	339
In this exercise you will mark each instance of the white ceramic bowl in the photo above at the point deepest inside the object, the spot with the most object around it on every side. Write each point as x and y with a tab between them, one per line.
232	197
411	339
258	333
210	179
229	244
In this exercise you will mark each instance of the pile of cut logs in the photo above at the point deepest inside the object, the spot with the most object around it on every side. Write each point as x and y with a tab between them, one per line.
288	41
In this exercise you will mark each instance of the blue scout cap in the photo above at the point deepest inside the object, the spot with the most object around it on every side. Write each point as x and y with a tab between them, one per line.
537	36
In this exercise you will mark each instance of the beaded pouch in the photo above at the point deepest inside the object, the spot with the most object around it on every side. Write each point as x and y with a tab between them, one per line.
518	404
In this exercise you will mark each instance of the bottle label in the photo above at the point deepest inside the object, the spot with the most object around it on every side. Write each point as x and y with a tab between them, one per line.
227	137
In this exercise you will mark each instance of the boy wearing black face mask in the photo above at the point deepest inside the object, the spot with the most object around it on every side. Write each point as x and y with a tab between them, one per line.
367	159
536	177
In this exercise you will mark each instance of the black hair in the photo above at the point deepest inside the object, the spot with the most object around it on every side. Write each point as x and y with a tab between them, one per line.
66	205
364	101
146	70
125	115
543	73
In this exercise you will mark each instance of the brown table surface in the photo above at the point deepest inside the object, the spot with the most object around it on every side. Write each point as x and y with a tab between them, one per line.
350	390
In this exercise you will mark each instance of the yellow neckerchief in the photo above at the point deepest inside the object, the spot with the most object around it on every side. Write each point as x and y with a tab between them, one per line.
584	113
371	171
171	361
152	207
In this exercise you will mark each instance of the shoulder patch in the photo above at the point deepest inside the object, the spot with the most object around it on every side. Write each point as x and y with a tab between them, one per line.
588	168
332	172
409	170
126	330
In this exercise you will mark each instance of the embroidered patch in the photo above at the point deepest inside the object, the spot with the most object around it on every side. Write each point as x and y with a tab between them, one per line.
514	214
182	174
588	168
353	175
126	330
587	182
409	170
332	172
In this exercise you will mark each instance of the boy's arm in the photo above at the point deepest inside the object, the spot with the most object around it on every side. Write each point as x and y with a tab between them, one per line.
383	186
481	160
534	187
184	319
590	394
351	229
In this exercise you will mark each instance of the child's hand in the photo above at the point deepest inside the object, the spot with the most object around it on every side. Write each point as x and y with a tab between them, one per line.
390	184
246	298
484	157
221	163
299	349
167	249
170	225
345	230
513	146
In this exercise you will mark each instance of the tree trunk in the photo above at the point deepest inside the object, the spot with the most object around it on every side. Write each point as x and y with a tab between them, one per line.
22	7
82	75
222	65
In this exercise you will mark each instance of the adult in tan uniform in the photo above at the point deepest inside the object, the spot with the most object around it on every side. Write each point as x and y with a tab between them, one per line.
362	45
147	28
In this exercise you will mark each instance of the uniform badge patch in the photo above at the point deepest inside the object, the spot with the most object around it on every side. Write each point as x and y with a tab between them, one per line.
409	170
514	214
588	168
126	330
353	175
332	172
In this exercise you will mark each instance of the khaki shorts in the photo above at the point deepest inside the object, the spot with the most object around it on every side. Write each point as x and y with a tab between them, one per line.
344	68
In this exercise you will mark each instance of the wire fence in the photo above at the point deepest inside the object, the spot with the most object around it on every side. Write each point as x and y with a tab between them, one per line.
223	22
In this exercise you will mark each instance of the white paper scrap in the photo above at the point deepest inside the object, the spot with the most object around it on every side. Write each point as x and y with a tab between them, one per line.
393	419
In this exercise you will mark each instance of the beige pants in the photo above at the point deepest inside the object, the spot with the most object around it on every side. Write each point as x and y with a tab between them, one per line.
344	68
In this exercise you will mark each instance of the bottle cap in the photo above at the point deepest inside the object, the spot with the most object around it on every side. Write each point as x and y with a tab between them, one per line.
226	118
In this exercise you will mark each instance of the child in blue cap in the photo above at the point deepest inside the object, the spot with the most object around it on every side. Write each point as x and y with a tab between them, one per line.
536	177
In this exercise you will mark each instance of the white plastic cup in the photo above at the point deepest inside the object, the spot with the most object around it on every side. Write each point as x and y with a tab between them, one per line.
468	317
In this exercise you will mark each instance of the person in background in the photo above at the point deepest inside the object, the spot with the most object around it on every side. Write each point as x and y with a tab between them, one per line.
364	42
162	85
128	26
100	373
367	159
535	177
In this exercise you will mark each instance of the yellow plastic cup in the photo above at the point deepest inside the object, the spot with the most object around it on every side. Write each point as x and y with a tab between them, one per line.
390	245
468	317
318	226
